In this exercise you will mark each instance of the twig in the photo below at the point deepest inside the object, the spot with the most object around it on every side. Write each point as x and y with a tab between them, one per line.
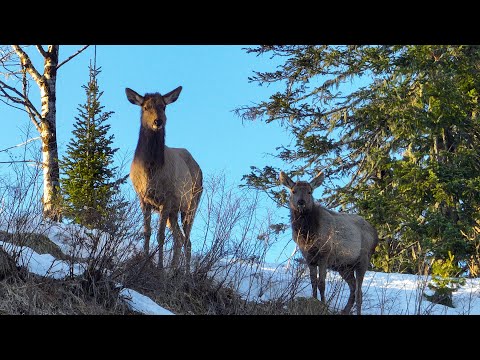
27	64
72	56
20	161
42	51
24	143
22	100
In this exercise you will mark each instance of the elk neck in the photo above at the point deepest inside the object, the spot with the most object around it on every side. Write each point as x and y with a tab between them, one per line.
151	147
304	223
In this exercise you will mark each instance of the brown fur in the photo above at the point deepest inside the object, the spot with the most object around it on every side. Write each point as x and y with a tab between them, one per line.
330	240
167	180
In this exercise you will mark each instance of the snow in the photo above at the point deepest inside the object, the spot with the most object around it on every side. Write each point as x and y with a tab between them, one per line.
41	264
142	303
47	265
383	293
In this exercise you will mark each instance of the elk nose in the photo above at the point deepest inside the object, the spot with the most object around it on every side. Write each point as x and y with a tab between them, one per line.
301	203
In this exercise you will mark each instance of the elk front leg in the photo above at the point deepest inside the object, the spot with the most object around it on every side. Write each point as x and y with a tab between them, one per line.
147	230
322	275
313	279
178	239
161	238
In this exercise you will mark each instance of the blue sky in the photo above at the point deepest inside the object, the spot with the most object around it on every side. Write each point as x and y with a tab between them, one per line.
214	81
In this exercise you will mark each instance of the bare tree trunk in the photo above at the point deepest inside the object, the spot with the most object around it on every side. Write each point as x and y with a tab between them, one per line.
48	95
45	120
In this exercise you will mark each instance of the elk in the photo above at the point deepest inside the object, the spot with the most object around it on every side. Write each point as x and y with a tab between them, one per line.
167	180
329	240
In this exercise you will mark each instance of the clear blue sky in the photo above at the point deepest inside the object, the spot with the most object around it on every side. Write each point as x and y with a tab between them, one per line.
214	81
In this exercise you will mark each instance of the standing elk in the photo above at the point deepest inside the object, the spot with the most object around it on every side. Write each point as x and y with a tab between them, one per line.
167	180
330	240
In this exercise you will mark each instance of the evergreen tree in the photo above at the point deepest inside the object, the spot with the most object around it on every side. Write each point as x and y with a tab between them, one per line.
399	145
88	186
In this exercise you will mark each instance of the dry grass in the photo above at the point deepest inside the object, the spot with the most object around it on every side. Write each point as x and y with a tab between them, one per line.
228	227
24	293
180	293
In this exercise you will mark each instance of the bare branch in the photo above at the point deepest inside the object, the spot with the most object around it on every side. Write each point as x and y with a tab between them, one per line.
72	56
42	51
27	63
25	96
20	161
11	105
22	144
22	100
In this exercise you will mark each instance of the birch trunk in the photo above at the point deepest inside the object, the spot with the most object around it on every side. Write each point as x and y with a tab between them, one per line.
51	174
45	119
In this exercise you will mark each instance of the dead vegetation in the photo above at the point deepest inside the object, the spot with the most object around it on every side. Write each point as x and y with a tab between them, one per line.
230	242
24	293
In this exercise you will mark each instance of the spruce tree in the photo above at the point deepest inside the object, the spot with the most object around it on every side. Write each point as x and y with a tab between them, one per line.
88	186
396	130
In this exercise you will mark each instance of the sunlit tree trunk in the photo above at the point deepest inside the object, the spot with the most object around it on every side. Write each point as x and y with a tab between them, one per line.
45	119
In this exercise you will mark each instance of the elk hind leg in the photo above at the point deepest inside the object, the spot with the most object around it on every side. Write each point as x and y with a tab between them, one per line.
359	274
347	274
314	280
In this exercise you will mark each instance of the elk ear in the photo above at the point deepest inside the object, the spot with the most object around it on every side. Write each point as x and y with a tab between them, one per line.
317	180
133	97
285	180
172	96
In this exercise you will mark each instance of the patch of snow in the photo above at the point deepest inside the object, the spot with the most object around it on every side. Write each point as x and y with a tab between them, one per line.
142	303
49	266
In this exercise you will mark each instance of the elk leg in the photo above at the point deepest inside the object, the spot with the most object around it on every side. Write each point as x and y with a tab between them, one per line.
347	275
147	230
313	279
187	222
162	223
178	239
359	273
322	274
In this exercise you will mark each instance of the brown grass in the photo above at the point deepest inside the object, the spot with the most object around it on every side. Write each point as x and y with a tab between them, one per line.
24	293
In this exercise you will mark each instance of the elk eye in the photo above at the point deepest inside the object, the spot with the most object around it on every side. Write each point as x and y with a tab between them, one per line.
293	191
309	193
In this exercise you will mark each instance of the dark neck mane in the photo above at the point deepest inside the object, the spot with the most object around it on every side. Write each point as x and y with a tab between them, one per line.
305	223
151	147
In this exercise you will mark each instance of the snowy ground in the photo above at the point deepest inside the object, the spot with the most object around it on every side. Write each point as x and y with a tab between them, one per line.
47	265
383	293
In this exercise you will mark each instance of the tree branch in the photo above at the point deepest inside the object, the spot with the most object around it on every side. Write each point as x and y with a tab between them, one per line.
25	96
22	100
72	56
27	63
22	144
20	161
42	51
7	103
